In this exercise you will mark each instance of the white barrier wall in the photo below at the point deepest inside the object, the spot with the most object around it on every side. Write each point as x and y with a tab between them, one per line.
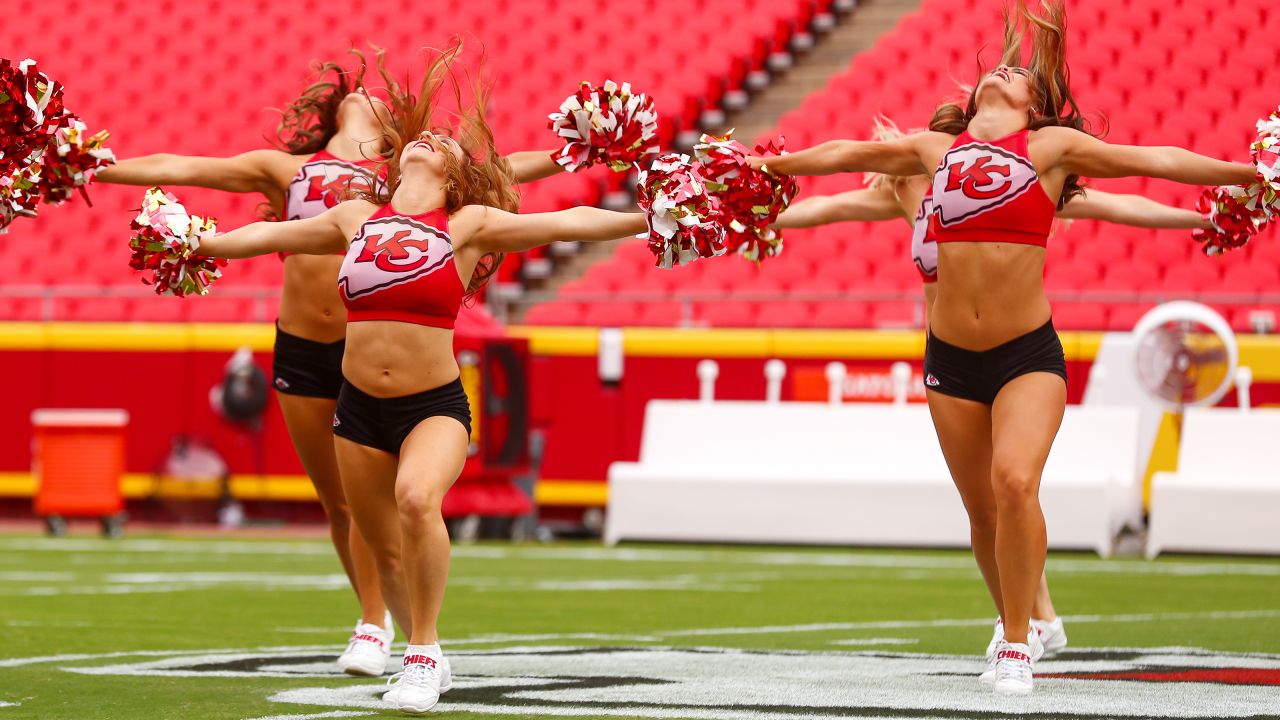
849	474
1225	495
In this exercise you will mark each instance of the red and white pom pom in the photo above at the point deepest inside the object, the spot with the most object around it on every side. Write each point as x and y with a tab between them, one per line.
72	158
20	191
750	199
166	242
683	218
609	124
1233	216
1266	158
31	111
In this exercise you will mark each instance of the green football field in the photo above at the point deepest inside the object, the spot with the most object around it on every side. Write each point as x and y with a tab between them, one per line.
232	628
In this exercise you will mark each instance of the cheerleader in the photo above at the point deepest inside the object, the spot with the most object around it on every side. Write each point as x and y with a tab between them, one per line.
889	197
994	370
417	245
331	141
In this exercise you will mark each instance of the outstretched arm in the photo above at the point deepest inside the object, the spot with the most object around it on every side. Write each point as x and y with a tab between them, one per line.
868	205
494	230
1083	154
891	157
319	235
254	171
1133	210
530	165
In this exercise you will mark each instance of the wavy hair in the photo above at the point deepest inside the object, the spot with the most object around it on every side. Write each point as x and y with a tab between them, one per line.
481	177
310	122
1052	101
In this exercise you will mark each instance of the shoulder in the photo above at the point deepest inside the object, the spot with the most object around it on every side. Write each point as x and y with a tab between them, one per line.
1058	135
470	218
280	166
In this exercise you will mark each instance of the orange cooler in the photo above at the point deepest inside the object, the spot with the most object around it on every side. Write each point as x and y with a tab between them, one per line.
78	460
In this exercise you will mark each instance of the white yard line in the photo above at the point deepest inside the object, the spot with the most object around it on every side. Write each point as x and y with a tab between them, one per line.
316	715
660	635
876	641
860	558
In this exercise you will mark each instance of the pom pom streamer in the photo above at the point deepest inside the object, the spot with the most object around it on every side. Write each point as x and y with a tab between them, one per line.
31	111
750	199
166	241
71	160
683	218
610	124
1266	158
1233	216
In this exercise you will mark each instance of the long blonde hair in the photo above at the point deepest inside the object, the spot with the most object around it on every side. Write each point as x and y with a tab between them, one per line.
482	177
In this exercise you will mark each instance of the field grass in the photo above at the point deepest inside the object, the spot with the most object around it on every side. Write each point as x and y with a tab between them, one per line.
81	596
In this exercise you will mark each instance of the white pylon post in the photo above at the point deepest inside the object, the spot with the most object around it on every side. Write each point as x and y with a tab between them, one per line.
708	372
836	373
775	371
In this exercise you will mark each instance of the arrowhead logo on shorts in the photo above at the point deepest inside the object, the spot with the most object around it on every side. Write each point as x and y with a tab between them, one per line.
282	384
975	178
323	184
392	251
931	381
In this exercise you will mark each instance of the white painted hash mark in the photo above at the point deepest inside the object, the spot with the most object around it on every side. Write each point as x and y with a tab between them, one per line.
316	715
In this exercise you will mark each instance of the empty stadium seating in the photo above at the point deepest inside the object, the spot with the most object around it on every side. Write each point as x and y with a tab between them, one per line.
198	78
1160	71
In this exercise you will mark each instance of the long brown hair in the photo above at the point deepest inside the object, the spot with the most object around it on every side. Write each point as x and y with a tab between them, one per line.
1052	101
482	177
311	121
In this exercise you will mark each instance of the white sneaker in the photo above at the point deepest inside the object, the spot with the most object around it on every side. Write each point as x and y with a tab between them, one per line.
418	688
1013	669
368	650
1034	641
1052	634
989	675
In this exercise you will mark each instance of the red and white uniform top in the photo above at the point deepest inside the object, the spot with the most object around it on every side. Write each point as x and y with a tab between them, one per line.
988	191
400	267
322	182
924	249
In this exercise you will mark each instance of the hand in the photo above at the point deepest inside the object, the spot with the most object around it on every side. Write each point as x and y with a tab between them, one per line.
756	162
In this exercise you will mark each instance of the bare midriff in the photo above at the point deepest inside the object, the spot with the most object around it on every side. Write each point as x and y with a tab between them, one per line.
310	306
989	294
387	359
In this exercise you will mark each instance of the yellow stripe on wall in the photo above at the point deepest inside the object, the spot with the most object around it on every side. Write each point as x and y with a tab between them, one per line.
1260	352
288	488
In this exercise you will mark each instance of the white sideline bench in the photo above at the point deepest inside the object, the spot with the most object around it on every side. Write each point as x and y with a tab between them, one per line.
857	474
1225	495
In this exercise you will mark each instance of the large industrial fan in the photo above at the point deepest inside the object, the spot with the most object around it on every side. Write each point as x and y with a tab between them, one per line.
1186	354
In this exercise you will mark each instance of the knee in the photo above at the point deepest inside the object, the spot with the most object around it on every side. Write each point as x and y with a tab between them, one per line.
1014	486
417	504
982	520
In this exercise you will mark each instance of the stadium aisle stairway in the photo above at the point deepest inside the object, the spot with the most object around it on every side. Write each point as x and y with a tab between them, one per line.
1156	70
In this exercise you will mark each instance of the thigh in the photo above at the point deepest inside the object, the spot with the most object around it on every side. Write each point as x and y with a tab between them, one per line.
310	424
964	434
431	458
369	479
1025	419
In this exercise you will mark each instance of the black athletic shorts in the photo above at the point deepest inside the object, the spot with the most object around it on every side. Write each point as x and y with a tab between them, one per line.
979	376
384	423
306	367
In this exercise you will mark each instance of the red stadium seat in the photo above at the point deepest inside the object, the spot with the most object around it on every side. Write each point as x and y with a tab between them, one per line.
554	313
727	314
1079	316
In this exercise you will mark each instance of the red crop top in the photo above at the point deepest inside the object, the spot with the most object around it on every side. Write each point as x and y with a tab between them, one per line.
988	191
322	182
400	267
